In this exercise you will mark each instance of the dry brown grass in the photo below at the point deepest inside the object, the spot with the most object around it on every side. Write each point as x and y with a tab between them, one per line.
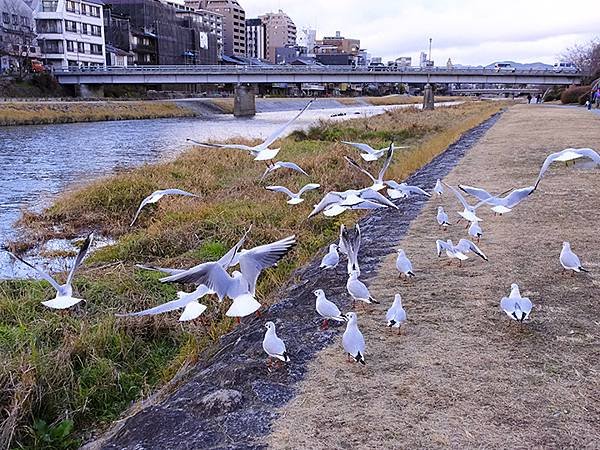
409	99
463	375
66	112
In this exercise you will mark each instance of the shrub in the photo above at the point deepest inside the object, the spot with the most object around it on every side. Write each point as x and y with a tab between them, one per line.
575	94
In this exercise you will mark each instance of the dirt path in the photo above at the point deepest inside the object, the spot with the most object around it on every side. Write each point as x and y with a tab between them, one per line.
463	375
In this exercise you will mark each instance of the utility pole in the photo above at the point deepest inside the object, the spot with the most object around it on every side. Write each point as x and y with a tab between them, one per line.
428	101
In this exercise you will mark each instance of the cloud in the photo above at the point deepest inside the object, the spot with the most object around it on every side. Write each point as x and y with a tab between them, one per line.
468	31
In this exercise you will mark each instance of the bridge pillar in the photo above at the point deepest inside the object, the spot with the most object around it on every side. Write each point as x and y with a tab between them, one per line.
244	103
428	101
90	90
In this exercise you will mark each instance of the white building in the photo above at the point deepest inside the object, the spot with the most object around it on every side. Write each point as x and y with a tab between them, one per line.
70	32
307	38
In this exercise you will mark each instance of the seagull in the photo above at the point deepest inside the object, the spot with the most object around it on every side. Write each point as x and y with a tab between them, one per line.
378	183
500	205
261	152
294	198
64	292
515	306
280	165
569	260
156	196
331	259
396	315
442	217
460	250
166	270
336	202
358	290
186	300
368	152
327	309
567	155
353	340
468	213
465	246
404	265
403	190
475	230
350	242
273	345
438	189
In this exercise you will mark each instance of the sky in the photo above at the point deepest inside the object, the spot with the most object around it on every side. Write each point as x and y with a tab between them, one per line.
467	31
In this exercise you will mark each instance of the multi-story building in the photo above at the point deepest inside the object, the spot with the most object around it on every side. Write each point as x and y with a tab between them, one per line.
233	19
307	39
17	38
70	32
337	45
210	19
256	39
280	32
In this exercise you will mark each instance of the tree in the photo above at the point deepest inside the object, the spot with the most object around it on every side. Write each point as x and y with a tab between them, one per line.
16	33
585	56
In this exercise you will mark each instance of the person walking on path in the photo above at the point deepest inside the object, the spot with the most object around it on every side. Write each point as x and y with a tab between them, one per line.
528	98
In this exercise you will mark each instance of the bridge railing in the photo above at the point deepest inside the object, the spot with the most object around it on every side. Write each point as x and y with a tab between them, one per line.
224	69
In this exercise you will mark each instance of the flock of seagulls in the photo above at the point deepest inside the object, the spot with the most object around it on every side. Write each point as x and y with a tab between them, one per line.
219	278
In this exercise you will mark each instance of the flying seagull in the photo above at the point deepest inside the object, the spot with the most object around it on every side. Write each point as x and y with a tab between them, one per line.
327	309
468	213
378	183
280	165
404	265
567	155
331	259
336	202
156	196
460	250
261	152
368	153
515	306
396	315
353	340
403	190
350	243
500	204
569	260
273	345
294	198
64	292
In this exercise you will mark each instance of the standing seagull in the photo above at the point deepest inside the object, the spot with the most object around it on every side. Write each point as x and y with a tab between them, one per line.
353	340
350	245
358	290
515	306
273	345
404	265
294	198
396	315
261	152
282	164
438	189
156	196
475	230
331	259
327	309
378	183
569	260
442	218
64	292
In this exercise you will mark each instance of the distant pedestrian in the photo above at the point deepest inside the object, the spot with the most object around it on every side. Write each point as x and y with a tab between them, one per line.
529	98
588	103
538	98
598	98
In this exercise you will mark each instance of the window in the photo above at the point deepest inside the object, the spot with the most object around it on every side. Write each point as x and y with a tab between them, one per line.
49	26
85	9
71	26
5	17
96	30
24	21
84	28
95	49
71	6
53	46
15	19
81	47
94	11
70	46
49	5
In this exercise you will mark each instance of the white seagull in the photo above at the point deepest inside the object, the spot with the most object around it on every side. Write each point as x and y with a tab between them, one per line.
515	306
404	265
378	183
500	204
569	260
280	165
403	190
64	292
475	230
460	250
273	345
468	213
156	196
327	309
368	153
261	152
294	198
358	290
442	217
438	189
353	340
567	155
187	300
350	243
336	202
396	315
331	259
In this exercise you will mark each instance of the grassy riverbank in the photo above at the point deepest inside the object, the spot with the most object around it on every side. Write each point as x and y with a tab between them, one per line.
24	113
85	368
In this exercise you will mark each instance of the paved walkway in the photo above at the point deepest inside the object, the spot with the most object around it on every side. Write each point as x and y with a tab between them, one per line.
462	375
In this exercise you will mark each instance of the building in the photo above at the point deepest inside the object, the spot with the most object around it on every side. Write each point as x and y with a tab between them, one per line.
337	45
160	34
287	54
256	39
210	19
70	32
17	38
280	31
233	19
307	39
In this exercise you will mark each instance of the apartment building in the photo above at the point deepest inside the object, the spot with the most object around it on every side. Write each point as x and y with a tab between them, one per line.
280	32
17	38
233	20
256	39
70	32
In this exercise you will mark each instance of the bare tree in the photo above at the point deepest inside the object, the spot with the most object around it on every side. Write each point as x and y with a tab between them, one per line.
585	56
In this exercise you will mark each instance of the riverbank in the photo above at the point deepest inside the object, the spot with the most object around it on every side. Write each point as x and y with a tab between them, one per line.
88	366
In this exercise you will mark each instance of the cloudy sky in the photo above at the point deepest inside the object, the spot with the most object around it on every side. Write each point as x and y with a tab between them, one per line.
468	31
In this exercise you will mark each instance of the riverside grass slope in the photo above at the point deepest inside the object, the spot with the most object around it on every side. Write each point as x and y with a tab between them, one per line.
64	375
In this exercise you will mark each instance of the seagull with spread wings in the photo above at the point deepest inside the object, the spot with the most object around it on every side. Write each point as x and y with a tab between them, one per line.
156	196
282	165
565	155
368	153
501	204
378	183
295	198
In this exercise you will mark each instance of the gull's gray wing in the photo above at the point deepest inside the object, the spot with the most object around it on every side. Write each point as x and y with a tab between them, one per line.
329	199
43	274
588	153
80	256
570	259
144	203
442	245
517	196
273	137
465	246
386	164
374	196
231	257
308	187
235	146
212	275
292	166
172	305
459	196
357	167
414	190
362	147
177	192
255	260
281	189
166	270
480	194
549	160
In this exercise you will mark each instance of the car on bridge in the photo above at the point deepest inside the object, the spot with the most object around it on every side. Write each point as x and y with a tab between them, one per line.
565	67
504	67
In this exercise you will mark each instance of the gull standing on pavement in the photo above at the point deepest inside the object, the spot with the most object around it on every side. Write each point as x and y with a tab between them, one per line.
273	345
396	315
353	340
569	260
404	265
358	290
331	259
327	309
515	306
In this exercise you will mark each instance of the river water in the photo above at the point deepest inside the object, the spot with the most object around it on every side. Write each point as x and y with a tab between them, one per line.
40	161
